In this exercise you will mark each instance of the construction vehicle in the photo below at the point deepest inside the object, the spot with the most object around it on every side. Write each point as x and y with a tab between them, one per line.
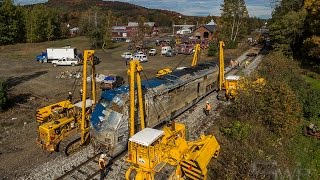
54	111
195	59
227	86
68	133
164	154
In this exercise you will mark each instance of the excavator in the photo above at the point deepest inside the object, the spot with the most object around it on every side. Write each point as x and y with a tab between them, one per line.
195	59
64	126
164	154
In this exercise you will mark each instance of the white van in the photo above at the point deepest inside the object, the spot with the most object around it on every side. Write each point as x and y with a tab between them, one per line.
140	57
165	49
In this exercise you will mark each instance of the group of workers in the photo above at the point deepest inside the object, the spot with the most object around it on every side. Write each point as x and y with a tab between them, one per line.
70	95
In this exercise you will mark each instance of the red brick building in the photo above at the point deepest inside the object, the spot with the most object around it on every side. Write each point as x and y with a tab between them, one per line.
206	31
129	31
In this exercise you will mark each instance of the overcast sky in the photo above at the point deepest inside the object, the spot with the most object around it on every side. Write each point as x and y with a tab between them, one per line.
258	8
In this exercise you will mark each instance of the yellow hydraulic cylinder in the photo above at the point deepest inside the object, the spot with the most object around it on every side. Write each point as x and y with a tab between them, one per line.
84	124
131	73
134	74
221	64
196	55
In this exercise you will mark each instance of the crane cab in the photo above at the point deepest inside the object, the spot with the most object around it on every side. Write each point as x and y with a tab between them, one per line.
231	85
144	148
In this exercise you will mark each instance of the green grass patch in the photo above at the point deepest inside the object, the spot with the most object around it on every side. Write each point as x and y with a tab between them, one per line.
306	152
315	83
27	51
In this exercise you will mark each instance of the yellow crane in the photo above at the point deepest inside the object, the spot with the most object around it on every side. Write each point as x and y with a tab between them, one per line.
227	86
164	154
70	129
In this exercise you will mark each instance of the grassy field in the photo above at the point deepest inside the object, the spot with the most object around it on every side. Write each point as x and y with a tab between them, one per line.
27	51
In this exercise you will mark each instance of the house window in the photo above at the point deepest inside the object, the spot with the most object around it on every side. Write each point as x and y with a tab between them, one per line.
206	35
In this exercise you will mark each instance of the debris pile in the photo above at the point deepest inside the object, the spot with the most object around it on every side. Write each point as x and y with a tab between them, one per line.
69	74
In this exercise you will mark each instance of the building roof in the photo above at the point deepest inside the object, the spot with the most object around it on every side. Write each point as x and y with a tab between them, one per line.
146	136
232	77
118	27
211	22
135	24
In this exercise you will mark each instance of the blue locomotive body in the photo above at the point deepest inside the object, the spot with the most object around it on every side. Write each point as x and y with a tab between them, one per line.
164	99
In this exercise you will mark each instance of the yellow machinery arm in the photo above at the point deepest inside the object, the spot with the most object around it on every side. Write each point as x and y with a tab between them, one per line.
196	55
221	65
84	125
194	162
134	71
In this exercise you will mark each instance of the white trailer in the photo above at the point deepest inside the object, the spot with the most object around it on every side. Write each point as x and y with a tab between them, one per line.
60	53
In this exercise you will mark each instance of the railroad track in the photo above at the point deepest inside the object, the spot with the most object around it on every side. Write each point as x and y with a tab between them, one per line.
117	166
85	170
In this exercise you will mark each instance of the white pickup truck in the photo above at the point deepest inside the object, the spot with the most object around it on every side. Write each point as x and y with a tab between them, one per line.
65	62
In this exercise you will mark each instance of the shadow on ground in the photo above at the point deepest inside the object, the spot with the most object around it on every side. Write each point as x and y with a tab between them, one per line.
16	80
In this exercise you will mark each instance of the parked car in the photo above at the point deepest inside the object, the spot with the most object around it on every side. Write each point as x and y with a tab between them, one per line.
111	82
170	53
152	52
140	57
165	49
139	52
65	62
126	55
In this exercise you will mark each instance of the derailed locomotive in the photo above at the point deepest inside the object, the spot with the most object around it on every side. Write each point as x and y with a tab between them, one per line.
164	99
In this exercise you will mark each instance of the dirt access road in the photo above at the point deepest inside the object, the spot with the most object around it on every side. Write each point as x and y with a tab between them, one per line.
33	85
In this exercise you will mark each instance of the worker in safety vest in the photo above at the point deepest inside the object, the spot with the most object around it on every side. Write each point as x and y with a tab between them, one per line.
207	108
246	63
81	93
70	96
102	165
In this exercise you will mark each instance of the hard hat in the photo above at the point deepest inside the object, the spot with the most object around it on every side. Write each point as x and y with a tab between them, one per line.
207	102
103	156
70	92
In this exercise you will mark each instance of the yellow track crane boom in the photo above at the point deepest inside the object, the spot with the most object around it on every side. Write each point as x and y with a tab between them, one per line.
84	125
196	55
134	76
221	65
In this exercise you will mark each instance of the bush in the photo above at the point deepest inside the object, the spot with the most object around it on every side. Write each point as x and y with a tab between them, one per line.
3	96
231	45
213	49
238	130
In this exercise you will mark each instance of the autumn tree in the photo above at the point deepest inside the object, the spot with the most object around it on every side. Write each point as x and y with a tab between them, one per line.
108	22
233	19
42	23
11	23
294	28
